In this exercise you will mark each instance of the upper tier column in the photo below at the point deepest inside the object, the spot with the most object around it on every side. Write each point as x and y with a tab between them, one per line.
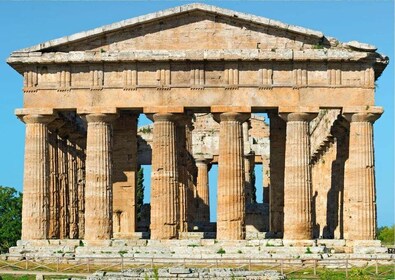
35	209
231	181
360	187
164	181
202	184
297	177
98	188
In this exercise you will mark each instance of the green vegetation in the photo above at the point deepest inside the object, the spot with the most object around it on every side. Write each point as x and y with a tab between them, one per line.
147	129
17	277
386	234
10	217
221	251
308	251
140	193
122	252
156	273
317	47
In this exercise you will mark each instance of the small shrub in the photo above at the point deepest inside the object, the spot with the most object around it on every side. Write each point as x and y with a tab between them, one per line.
240	252
308	251
221	251
122	252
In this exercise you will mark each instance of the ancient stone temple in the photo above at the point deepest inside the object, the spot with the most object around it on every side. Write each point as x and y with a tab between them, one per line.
200	73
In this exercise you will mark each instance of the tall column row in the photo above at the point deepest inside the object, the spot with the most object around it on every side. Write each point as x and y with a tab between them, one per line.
71	192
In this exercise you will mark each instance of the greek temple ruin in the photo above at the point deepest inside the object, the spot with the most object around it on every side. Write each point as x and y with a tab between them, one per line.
204	76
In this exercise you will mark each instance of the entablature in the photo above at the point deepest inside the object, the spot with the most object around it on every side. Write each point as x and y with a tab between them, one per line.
197	75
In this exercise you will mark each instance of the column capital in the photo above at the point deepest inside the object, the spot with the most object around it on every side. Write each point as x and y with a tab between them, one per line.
362	117
298	116
100	117
164	117
43	119
231	116
202	160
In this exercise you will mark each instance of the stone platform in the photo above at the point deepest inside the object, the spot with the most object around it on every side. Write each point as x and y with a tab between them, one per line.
189	273
203	251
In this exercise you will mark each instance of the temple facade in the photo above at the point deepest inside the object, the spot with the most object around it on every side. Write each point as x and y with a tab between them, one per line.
83	94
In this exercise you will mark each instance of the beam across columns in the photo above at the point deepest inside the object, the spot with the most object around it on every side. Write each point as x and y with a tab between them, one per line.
231	180
297	177
35	210
98	192
360	185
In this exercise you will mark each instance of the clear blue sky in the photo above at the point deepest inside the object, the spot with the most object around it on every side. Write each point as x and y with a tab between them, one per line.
23	24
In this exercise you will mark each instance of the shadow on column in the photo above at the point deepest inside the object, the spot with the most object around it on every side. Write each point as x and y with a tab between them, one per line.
335	196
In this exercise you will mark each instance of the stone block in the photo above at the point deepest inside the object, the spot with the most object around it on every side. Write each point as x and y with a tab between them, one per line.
274	242
369	250
179	270
299	243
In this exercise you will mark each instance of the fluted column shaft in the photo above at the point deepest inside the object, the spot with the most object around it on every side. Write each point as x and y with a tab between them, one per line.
182	175
277	161
98	189
164	181
35	209
249	166
297	178
203	215
360	187
231	195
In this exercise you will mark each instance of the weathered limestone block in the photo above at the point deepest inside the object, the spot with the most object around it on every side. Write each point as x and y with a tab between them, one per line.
360	187
164	182
231	195
277	162
203	210
297	178
98	189
35	210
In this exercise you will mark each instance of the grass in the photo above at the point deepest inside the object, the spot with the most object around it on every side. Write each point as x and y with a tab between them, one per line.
297	272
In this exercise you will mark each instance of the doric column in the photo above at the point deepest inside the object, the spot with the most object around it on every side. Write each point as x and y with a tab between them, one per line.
203	211
297	177
98	189
81	191
191	174
182	158
276	169
164	181
35	209
249	166
73	190
53	231
360	188
63	186
231	196
124	175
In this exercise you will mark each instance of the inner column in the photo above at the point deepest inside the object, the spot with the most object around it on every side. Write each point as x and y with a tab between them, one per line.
231	196
164	181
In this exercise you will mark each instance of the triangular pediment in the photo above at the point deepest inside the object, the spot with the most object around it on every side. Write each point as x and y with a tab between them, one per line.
192	26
